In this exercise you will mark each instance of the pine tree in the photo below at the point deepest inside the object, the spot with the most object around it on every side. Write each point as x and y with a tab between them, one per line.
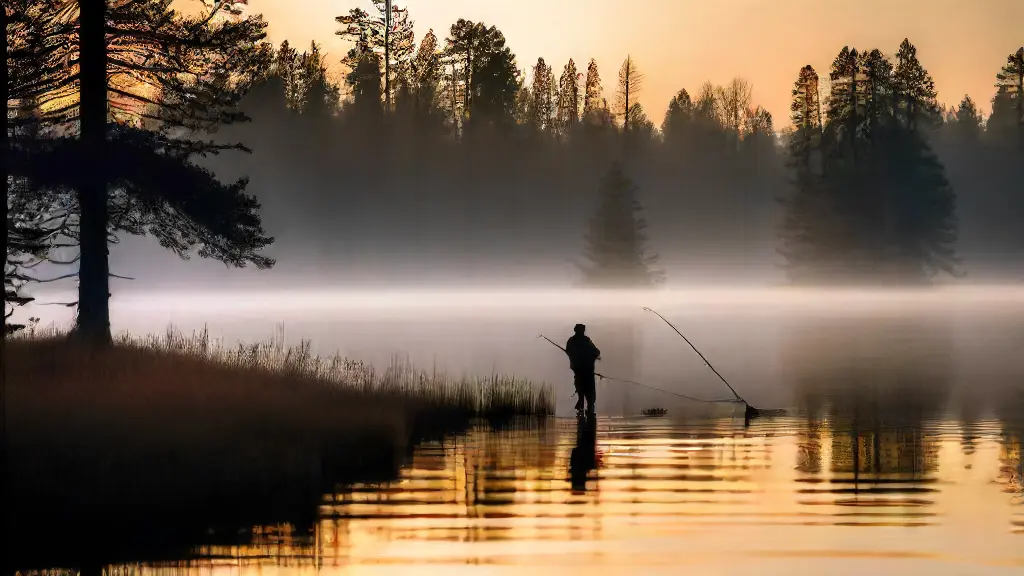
1007	120
878	98
806	107
426	75
469	48
568	98
29	72
592	91
286	67
641	129
631	81
922	210
914	90
678	117
389	36
495	87
543	113
144	73
968	124
35	215
367	93
616	241
808	221
524	103
890	209
1005	135
317	96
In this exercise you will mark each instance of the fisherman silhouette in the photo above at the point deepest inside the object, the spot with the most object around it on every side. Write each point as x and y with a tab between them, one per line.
583	356
583	457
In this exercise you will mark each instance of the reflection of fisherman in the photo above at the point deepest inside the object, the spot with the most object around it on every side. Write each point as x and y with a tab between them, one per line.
583	458
583	355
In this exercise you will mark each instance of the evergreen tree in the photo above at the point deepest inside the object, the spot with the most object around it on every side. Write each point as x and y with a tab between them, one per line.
543	113
967	121
495	87
883	195
568	98
25	76
808	220
592	91
641	129
616	240
367	100
879	99
426	75
469	49
630	83
921	210
286	67
846	86
36	212
914	90
320	96
303	77
1007	121
389	36
678	118
132	175
524	103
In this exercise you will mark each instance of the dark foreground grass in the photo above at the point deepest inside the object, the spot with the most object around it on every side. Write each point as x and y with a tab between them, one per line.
156	445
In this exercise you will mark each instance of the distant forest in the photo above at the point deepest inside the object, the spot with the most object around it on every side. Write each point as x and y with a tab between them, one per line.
448	154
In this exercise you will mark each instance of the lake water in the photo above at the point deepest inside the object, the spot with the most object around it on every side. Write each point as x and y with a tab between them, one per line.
900	453
769	343
792	495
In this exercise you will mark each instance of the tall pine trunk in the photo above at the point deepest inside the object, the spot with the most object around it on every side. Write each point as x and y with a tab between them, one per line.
1020	99
3	312
3	173
387	58
93	296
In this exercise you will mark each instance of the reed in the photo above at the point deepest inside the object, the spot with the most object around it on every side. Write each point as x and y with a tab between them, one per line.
160	441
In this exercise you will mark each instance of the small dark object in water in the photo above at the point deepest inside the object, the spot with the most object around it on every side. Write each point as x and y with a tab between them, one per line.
654	411
751	412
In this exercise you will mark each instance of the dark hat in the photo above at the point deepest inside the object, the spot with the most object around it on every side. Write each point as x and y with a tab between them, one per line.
579	328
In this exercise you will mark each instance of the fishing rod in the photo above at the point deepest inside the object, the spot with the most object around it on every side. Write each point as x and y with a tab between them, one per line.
720	377
624	381
559	347
553	343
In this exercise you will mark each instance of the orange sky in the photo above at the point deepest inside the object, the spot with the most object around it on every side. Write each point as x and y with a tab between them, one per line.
682	43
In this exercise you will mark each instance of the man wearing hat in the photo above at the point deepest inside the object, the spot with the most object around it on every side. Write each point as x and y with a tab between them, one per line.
583	356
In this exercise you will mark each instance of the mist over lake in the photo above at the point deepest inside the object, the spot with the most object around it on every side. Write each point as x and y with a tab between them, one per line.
769	343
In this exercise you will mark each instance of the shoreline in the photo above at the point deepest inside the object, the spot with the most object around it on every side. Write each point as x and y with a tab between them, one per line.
155	446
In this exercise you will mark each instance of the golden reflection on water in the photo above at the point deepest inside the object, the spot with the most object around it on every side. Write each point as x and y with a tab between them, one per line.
655	496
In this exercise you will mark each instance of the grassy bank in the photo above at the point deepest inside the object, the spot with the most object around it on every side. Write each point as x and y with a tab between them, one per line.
139	450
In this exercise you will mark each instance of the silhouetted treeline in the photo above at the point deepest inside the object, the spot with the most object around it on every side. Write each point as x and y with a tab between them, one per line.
871	199
504	173
984	158
465	161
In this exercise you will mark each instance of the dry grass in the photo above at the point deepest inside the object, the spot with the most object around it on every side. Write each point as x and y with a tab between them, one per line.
159	439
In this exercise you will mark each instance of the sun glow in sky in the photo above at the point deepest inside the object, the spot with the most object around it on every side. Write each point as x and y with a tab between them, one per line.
683	43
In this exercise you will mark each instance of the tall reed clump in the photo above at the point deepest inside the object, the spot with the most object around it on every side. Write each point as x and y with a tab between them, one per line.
428	391
161	439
